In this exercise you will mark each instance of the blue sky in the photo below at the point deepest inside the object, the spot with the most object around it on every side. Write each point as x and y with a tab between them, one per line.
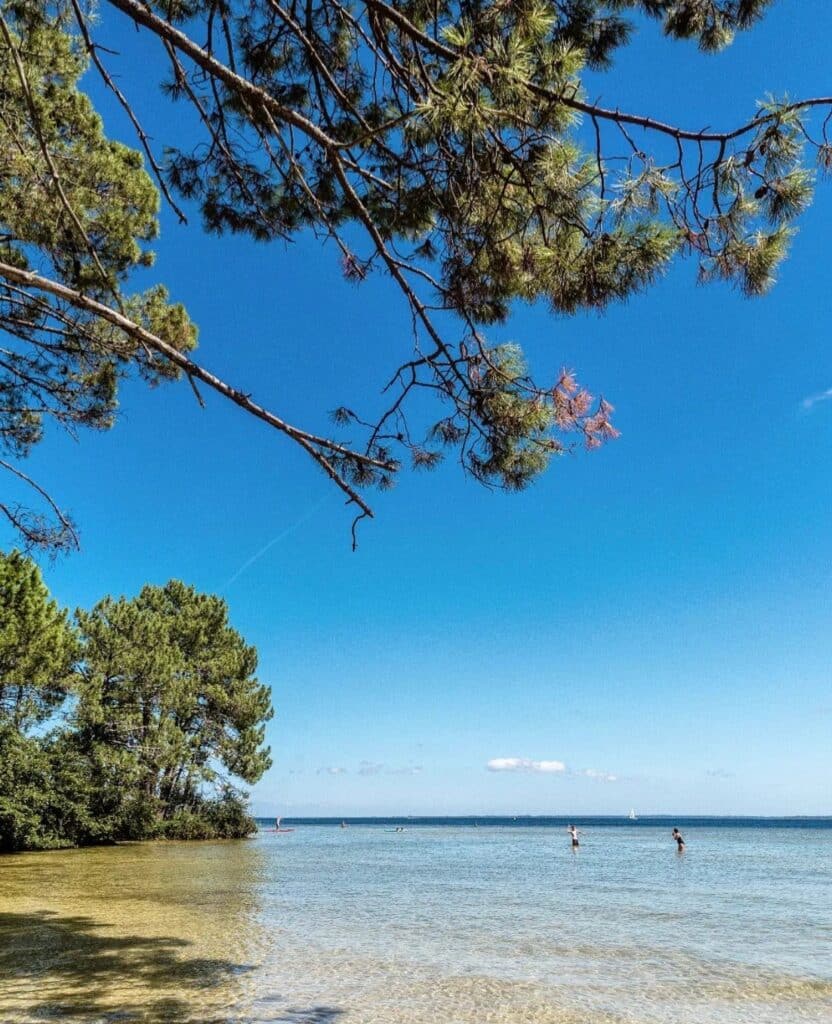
658	611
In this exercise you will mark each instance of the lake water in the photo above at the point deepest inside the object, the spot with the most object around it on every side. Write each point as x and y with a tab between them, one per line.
440	924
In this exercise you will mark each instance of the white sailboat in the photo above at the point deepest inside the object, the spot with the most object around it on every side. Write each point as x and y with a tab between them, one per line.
632	815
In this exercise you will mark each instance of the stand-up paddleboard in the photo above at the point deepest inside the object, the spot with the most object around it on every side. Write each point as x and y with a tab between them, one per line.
277	827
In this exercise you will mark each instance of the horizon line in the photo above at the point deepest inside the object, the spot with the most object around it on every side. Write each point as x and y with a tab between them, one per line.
517	817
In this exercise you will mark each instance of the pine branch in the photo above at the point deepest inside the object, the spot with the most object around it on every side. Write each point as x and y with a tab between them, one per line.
321	449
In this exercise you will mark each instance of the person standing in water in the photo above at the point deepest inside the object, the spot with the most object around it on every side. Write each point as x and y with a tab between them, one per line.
680	842
574	832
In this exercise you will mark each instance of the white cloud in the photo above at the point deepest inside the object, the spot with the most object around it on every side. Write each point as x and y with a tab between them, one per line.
530	766
378	767
593	773
719	773
525	764
332	771
812	400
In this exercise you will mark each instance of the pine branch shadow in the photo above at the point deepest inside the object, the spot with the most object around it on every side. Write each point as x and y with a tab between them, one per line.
66	968
312	1015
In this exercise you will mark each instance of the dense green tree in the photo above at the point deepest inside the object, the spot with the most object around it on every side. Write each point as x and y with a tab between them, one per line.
56	792
45	786
143	727
24	792
49	795
37	646
167	700
449	143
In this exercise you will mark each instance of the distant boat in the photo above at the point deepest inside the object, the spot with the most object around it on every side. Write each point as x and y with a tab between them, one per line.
632	815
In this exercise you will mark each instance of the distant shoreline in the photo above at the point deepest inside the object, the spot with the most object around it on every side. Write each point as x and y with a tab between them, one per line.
546	821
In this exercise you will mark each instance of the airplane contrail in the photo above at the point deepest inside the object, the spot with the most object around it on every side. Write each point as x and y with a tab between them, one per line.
275	540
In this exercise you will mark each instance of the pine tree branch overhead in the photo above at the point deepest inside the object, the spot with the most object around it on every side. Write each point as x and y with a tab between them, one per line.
456	136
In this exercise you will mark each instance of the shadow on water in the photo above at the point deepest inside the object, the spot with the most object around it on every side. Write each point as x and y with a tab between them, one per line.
66	968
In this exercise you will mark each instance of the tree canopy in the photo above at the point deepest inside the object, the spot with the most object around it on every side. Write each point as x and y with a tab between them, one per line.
164	678
149	716
449	145
38	647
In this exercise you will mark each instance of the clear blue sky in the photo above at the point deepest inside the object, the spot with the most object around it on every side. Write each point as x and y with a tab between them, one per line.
658	611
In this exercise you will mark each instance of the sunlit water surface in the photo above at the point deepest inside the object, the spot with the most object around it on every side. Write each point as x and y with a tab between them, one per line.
442	925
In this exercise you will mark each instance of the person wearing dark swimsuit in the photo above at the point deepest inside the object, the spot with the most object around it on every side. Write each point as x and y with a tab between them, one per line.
574	833
680	842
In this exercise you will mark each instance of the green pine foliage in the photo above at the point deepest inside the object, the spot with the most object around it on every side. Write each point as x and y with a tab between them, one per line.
38	646
452	144
80	208
140	720
458	134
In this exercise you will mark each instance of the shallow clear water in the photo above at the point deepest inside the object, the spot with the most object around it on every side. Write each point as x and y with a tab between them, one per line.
437	924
